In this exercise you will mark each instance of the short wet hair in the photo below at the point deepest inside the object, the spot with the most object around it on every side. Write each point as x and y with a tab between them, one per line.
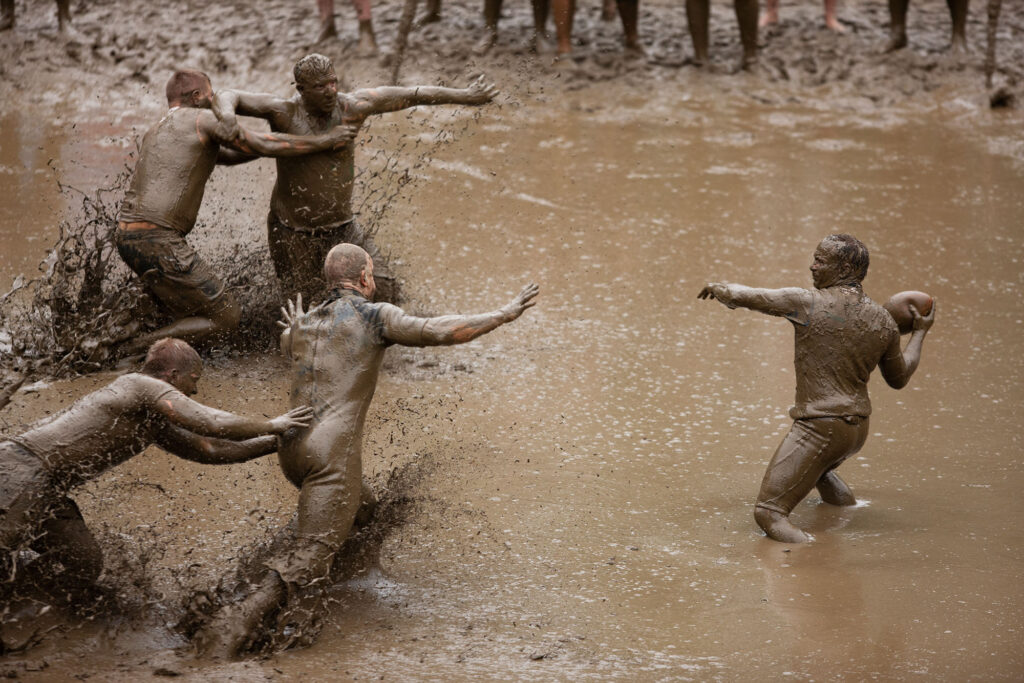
169	354
311	68
345	263
853	252
183	83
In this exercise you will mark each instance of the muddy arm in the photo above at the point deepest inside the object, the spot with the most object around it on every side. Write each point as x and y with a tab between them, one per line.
898	367
211	450
232	157
205	421
228	103
792	303
388	98
446	330
269	144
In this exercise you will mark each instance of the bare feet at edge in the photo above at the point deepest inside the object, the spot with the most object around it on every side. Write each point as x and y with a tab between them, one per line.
833	24
767	19
778	527
896	42
486	43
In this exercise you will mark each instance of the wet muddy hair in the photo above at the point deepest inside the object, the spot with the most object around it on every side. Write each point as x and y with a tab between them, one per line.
169	354
853	252
183	83
344	263
312	67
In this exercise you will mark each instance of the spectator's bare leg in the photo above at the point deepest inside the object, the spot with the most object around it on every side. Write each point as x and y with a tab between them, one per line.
433	14
367	39
697	17
746	16
608	10
629	11
492	12
564	12
63	15
6	14
771	13
958	15
327	26
541	9
897	25
831	21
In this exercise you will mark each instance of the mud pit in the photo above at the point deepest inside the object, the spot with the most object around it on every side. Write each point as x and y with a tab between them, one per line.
586	476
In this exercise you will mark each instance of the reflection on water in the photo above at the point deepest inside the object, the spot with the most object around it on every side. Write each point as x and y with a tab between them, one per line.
591	514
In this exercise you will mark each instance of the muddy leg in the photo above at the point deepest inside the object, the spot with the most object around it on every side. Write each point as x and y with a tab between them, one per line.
746	16
492	12
70	559
897	25
834	490
6	14
234	626
697	16
958	15
796	466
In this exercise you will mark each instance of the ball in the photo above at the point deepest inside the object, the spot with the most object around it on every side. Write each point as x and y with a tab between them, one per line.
898	306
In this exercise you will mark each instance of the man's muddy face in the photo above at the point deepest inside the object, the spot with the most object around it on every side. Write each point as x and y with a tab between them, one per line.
187	382
321	94
203	99
828	267
371	285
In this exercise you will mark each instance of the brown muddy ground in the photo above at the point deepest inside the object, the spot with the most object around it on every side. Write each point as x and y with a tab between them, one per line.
586	475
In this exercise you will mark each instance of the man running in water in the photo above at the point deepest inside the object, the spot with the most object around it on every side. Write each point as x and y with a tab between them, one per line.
336	350
159	209
103	429
841	335
311	207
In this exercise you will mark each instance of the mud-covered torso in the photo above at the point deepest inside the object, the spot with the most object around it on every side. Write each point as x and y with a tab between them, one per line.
838	344
101	429
170	177
314	190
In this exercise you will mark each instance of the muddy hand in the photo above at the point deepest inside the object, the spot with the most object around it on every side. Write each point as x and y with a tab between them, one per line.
342	135
296	417
291	315
481	92
523	300
709	291
923	323
227	128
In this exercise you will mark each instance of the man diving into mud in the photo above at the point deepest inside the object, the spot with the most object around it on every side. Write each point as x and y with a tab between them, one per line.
311	206
841	335
175	161
99	431
336	350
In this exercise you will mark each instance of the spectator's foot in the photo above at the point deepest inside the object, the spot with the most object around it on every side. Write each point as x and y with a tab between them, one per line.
768	19
896	42
367	45
633	49
778	527
327	31
959	46
6	22
749	63
540	44
834	25
486	43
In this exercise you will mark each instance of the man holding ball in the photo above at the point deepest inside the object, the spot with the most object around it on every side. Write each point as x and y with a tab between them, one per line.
841	335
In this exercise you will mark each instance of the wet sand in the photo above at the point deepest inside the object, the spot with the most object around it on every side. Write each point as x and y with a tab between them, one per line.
588	474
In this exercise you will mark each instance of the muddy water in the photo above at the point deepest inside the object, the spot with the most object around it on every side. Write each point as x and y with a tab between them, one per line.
591	469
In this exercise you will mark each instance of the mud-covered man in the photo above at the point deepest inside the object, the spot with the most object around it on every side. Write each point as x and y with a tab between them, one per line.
336	350
311	206
176	159
841	335
39	468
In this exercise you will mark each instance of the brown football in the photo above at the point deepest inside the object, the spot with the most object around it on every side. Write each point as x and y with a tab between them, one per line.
898	306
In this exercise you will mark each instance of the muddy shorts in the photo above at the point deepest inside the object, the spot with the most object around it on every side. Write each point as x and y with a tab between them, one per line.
813	447
172	271
298	256
35	515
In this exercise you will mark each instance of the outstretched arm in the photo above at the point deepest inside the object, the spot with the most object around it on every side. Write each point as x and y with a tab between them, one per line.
273	144
211	450
452	329
388	98
791	303
182	411
898	367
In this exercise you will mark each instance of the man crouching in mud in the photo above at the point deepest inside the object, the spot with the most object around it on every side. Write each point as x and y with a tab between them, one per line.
311	206
99	431
841	335
175	161
336	350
